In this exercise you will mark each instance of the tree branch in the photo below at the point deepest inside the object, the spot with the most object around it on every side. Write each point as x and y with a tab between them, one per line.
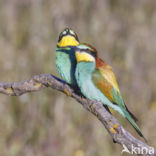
118	133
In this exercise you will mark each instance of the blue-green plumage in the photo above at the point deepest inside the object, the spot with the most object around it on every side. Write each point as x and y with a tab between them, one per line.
83	76
65	55
66	64
97	82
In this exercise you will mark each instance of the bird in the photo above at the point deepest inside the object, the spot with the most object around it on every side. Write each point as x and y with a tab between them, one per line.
65	56
97	81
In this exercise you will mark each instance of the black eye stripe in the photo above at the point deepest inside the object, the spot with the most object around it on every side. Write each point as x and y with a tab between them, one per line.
89	52
94	54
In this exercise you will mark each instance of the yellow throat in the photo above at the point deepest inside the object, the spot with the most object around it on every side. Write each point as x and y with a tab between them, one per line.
68	41
84	57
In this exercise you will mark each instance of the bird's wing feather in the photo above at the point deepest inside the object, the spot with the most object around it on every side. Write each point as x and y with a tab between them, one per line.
104	78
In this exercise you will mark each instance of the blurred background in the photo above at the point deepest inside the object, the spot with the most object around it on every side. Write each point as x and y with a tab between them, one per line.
48	122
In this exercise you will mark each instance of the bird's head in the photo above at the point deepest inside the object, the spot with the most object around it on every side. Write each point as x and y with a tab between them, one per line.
68	38
85	53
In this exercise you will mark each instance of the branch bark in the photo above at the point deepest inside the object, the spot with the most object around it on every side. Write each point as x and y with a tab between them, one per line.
118	133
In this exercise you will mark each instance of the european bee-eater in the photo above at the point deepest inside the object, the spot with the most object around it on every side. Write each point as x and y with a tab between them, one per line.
65	56
97	81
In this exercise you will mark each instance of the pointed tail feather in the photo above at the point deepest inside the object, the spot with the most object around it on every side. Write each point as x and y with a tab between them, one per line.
132	115
132	122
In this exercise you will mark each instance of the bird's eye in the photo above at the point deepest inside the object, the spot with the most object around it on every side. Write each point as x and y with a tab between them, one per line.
90	51
64	33
87	50
72	33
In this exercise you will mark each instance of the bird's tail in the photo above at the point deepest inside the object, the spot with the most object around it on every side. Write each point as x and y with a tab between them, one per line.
133	123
